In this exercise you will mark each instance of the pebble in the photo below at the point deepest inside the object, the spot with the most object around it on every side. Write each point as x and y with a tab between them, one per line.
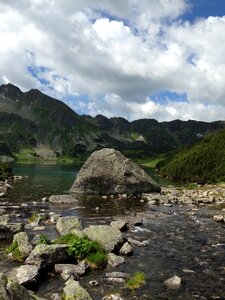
173	283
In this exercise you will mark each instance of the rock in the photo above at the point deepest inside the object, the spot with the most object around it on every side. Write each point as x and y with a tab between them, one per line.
45	256
126	249
115	260
2	194
65	225
24	245
55	296
137	243
27	275
10	290
7	231
40	218
120	224
112	297
94	283
62	199
4	219
218	218
54	217
39	228
68	270
106	235
117	275
173	283
108	172
74	291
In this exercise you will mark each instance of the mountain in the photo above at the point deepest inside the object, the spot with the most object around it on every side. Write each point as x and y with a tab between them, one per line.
34	125
203	162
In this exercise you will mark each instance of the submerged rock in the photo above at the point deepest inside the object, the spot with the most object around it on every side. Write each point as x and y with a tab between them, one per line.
108	236
109	172
62	199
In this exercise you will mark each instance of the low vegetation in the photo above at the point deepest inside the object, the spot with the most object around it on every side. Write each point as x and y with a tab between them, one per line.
5	171
137	281
43	239
201	163
83	248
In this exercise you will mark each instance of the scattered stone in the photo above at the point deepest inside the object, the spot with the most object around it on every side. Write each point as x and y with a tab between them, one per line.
44	199
55	296
115	260
2	194
39	218
65	225
117	275
39	228
173	283
74	291
188	271
106	235
218	218
24	245
94	283
112	297
116	280
108	172
126	249
4	219
137	243
53	217
62	199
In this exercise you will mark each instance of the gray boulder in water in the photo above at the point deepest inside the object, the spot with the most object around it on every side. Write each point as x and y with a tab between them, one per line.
107	171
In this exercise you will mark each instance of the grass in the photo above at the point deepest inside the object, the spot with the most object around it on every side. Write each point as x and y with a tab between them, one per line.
65	239
33	217
14	249
137	281
149	162
43	239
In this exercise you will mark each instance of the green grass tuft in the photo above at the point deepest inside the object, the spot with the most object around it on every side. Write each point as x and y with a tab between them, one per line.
137	281
14	249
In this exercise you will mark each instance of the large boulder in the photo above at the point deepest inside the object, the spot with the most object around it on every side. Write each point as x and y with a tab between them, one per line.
107	171
24	245
12	290
45	256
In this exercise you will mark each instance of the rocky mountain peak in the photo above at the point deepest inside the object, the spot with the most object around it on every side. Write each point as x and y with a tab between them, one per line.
10	91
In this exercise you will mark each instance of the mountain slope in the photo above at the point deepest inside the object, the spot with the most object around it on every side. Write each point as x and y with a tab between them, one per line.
203	162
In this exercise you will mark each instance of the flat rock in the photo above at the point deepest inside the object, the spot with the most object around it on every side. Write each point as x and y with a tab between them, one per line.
65	225
106	235
108	172
27	275
62	199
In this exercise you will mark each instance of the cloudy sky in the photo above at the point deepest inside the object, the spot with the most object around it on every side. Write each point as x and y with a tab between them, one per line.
161	59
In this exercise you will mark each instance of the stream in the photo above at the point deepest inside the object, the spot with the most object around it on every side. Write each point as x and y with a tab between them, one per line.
182	241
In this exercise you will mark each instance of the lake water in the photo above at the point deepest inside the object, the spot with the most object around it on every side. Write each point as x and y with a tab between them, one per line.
181	243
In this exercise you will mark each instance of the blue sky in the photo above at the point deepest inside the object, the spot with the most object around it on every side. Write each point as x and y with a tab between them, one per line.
133	58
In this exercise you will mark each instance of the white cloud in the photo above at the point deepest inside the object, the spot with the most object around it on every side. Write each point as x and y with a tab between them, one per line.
120	61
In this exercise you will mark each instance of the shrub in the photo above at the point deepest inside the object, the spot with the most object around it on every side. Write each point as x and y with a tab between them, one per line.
137	281
97	260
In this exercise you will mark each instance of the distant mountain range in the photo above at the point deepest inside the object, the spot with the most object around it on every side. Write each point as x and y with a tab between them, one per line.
36	126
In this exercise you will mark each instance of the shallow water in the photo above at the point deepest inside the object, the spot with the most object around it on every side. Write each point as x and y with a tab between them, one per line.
180	243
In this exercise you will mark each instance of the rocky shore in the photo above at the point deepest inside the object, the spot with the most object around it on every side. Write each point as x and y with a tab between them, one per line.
115	236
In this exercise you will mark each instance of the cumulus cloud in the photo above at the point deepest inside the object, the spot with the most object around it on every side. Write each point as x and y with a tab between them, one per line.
116	53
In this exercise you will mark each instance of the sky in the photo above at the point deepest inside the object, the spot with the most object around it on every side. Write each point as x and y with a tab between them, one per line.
161	59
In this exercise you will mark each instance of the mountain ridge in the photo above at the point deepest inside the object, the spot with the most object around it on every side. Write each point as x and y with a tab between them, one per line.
32	120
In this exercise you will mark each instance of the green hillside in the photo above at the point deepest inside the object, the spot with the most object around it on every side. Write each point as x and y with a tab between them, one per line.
202	163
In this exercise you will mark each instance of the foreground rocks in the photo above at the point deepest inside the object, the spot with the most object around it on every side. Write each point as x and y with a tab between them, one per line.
74	291
107	171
